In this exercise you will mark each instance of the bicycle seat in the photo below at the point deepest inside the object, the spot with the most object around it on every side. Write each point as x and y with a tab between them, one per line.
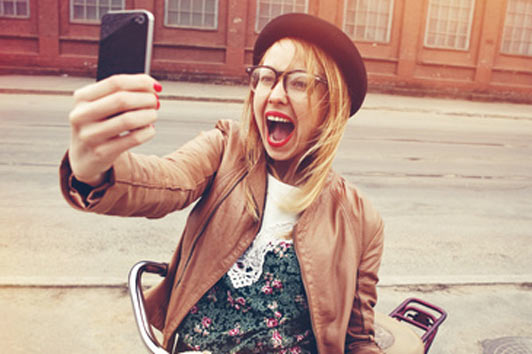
395	337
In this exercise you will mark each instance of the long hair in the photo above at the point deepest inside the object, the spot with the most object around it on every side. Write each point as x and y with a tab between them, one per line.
315	164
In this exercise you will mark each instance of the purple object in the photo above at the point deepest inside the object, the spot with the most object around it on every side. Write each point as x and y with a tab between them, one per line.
422	315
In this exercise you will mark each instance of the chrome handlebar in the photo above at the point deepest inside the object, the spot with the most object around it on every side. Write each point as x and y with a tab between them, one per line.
137	300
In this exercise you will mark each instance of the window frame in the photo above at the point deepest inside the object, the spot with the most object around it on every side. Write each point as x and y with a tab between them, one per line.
15	16
86	21
257	12
216	15
511	28
388	35
467	46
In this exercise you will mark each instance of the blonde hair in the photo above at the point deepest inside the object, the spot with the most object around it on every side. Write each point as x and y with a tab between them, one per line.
315	164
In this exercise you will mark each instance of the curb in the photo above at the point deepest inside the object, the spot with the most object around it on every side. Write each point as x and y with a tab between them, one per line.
449	114
202	99
161	96
70	282
452	281
176	97
11	91
423	283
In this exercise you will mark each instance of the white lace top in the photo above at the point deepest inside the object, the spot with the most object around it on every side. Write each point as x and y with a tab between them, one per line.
276	224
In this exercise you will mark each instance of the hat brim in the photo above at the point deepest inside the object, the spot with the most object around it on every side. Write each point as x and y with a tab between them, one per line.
326	36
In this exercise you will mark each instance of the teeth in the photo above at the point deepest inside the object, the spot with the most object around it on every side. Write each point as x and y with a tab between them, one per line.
278	119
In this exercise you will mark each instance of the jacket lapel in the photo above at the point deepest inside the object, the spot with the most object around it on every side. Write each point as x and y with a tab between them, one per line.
257	182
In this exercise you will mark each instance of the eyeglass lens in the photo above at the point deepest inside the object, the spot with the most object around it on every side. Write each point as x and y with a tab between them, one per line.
295	83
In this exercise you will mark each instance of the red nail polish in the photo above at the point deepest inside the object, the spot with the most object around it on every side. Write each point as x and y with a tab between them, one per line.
157	96
158	104
157	87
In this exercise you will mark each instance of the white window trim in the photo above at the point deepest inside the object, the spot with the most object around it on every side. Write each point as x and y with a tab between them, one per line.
388	29
87	21
468	34
257	5
15	16
214	28
521	40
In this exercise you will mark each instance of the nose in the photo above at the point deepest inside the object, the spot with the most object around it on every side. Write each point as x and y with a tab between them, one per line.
278	93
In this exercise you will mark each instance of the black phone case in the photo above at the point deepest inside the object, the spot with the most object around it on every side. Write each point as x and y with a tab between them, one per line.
123	44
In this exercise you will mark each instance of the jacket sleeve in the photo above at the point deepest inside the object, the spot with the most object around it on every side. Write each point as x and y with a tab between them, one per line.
360	336
151	186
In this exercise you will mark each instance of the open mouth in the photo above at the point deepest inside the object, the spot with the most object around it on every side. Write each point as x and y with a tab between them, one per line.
280	129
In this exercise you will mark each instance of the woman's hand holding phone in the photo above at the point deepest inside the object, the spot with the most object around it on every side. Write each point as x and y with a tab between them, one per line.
110	117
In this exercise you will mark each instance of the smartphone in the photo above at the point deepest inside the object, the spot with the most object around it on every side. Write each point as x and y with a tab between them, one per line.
126	39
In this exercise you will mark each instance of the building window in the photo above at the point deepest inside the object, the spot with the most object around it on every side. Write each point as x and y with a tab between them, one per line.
15	8
201	14
92	10
269	9
449	24
517	33
368	20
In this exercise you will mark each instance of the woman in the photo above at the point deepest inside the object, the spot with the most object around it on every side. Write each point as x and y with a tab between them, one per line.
279	254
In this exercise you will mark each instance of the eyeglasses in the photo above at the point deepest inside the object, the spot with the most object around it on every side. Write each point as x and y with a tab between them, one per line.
296	83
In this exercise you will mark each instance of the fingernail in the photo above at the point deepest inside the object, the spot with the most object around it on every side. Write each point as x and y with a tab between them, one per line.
157	87
157	96
158	104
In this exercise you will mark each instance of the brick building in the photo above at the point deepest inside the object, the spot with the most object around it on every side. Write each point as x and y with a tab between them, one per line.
467	48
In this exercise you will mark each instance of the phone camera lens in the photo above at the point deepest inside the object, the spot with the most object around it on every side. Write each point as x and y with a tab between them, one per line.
140	20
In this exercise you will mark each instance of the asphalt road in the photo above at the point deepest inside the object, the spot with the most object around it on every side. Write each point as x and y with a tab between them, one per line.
455	193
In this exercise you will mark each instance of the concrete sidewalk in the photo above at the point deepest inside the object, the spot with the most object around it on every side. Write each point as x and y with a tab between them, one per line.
100	320
178	90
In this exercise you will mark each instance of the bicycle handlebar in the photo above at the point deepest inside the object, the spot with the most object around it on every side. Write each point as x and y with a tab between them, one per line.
137	300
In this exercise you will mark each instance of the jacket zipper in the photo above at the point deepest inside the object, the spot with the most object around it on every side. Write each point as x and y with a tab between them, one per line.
205	226
312	316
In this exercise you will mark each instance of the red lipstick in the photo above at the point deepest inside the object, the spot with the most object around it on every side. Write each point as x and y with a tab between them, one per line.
280	128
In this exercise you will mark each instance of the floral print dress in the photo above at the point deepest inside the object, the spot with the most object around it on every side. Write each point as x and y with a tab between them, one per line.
260	305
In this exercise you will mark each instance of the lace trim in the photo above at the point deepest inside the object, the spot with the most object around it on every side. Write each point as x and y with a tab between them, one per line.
248	268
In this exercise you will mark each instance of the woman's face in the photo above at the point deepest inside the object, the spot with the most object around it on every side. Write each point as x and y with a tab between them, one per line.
287	124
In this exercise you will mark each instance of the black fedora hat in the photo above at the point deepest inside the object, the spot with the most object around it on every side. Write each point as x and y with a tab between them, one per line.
326	36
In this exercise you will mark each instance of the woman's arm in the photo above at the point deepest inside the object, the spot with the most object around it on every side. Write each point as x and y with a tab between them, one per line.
99	174
150	186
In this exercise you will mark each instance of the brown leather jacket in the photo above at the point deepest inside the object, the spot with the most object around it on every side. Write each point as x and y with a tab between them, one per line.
338	239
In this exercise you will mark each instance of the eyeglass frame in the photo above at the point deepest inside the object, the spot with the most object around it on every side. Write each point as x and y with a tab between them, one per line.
283	75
